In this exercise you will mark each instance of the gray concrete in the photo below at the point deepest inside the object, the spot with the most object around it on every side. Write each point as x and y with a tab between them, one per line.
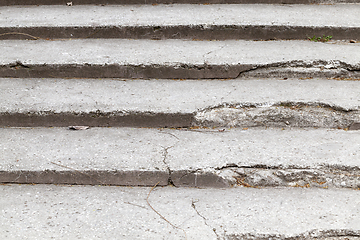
184	157
268	157
182	14
176	58
190	21
159	103
106	2
79	212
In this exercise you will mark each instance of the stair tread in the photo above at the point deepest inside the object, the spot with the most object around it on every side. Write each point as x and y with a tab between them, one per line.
182	21
182	14
64	212
109	102
189	157
174	58
172	52
105	2
169	96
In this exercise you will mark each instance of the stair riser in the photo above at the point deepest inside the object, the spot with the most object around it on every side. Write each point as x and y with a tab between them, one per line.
246	32
76	2
181	71
285	119
141	119
252	177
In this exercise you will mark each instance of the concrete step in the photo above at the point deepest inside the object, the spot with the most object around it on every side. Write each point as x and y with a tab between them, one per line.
182	21
88	212
181	157
123	2
321	103
105	58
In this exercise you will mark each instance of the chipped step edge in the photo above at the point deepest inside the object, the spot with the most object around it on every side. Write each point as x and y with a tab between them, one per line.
333	234
242	115
106	2
192	32
230	176
263	176
288	69
283	115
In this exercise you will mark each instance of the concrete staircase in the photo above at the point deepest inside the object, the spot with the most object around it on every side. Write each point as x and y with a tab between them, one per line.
180	119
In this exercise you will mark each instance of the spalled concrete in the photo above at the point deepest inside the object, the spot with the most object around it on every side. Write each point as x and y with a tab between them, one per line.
102	58
183	157
189	21
278	115
168	103
85	212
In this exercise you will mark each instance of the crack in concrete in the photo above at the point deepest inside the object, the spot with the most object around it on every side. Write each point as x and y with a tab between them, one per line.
205	220
165	154
18	64
225	45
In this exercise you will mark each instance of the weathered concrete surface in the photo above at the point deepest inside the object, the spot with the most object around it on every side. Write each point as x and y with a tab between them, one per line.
105	2
169	103
201	158
189	21
176	58
279	115
69	212
269	157
96	156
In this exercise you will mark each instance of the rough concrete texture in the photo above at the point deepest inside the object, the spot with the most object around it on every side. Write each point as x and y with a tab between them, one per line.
88	212
280	115
183	157
170	103
176	58
182	21
106	2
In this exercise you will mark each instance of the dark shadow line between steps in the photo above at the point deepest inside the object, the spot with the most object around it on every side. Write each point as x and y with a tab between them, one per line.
186	32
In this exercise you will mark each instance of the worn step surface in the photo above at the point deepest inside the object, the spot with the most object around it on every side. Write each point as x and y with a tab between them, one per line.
106	2
182	157
254	102
102	58
184	21
87	212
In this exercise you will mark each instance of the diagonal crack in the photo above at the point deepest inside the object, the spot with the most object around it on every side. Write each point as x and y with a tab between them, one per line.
205	220
165	155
